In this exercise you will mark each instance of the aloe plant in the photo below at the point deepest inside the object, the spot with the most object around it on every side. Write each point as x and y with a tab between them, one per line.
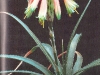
67	65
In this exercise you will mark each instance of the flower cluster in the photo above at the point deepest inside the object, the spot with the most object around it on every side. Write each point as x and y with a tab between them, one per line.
71	6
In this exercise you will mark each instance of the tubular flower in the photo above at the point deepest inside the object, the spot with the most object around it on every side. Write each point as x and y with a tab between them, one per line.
71	6
42	12
32	5
57	9
48	7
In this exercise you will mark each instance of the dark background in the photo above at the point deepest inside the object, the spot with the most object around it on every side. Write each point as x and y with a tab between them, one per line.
19	41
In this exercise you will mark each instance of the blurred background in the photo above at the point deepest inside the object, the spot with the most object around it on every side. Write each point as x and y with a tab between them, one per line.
15	40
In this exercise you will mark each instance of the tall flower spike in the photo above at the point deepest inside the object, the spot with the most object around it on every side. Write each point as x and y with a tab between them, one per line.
57	9
42	12
32	5
71	6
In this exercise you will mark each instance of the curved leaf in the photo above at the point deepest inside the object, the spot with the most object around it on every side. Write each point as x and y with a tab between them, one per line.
20	71
71	53
78	62
29	61
28	53
46	46
49	49
92	64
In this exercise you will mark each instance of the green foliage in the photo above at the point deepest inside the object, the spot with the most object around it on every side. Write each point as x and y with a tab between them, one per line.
91	65
34	38
31	62
71	53
68	67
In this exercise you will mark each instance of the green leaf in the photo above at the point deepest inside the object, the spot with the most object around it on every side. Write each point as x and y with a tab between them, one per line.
46	46
91	65
31	62
33	37
78	62
71	53
20	71
29	52
49	49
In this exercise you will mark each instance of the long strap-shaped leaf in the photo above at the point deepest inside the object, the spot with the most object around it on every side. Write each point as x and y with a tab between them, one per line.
31	62
34	37
20	71
71	53
74	30
46	46
76	26
27	54
93	64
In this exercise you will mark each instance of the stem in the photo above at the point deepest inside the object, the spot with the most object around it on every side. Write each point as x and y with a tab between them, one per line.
62	52
52	39
50	18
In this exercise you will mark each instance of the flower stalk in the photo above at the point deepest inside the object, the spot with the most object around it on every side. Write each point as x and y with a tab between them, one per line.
52	40
50	18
